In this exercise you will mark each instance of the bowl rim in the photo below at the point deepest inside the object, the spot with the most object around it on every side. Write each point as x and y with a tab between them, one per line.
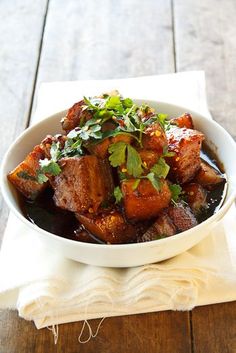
213	219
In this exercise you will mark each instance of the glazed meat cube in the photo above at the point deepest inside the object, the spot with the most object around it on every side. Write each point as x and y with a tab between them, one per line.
81	234
186	145
74	116
149	158
154	138
145	202
182	216
208	176
196	196
184	120
84	183
109	226
162	227
23	177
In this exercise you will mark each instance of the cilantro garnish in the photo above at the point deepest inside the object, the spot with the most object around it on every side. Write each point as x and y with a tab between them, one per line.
176	190
25	175
118	153
161	168
118	194
134	162
156	182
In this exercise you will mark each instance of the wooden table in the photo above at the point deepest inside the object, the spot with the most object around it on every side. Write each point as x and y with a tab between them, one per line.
49	40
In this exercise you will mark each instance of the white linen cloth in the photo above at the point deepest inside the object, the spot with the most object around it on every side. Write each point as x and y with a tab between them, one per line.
49	289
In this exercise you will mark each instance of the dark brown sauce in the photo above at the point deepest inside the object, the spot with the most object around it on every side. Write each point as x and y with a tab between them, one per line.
51	218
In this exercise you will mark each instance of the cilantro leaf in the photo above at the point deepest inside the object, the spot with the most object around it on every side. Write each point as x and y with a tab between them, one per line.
167	153
114	102
25	175
117	151
175	191
118	194
49	166
41	178
55	151
136	184
127	102
161	168
134	162
156	183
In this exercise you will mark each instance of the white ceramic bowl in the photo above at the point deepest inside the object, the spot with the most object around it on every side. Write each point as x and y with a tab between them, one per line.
125	255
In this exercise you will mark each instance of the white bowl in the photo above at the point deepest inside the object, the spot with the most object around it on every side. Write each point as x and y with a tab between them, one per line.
124	255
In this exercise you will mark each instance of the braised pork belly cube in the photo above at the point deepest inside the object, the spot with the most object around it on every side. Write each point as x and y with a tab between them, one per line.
109	226
208	176
184	120
149	158
161	228
154	138
145	202
182	216
196	196
186	144
84	183
24	176
75	115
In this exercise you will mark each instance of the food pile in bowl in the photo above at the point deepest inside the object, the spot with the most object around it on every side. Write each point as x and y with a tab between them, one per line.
120	173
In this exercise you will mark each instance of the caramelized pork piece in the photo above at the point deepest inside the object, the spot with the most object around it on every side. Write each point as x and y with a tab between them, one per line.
75	115
184	120
145	202
149	158
196	196
182	216
24	176
154	138
186	145
81	234
208	176
109	226
84	183
162	227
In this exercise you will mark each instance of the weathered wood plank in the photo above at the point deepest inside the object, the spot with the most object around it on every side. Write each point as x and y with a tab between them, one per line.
154	333
106	39
205	39
214	328
205	34
21	28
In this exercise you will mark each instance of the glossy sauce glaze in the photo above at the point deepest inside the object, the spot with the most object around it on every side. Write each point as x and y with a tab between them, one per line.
43	212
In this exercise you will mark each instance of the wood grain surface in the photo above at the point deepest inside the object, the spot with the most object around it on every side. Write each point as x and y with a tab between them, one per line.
21	26
49	40
205	33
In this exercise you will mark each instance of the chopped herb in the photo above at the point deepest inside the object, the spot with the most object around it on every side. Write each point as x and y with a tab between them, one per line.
156	183
134	162
55	151
167	153
118	194
49	166
41	178
176	190
135	184
161	168
117	151
25	175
